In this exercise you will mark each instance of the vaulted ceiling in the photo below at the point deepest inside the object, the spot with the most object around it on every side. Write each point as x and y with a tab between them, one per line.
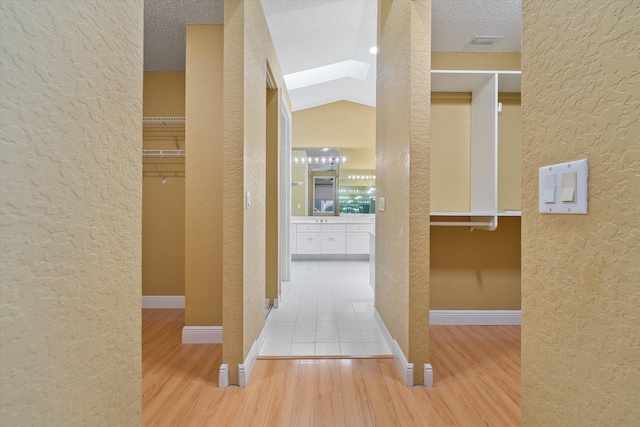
323	45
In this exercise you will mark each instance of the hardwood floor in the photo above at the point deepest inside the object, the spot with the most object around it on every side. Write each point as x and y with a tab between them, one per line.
477	383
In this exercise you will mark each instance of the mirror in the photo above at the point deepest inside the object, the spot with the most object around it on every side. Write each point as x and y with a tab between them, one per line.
357	192
323	195
332	181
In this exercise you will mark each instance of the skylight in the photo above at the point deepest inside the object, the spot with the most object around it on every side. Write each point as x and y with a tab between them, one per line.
327	73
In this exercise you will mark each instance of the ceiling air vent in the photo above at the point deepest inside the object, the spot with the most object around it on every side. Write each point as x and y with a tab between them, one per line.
485	40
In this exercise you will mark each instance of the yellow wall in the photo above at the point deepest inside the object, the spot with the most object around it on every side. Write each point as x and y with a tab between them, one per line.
475	61
476	270
580	273
163	204
203	181
509	153
247	51
341	124
298	174
71	207
272	219
450	152
402	151
163	94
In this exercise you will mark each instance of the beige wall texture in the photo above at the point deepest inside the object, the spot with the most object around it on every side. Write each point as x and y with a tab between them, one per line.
163	204
247	51
203	180
580	293
402	167
70	206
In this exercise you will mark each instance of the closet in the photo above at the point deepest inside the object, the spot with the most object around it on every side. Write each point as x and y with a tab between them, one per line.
475	190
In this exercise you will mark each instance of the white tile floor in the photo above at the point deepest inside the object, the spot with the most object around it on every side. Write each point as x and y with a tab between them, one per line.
326	310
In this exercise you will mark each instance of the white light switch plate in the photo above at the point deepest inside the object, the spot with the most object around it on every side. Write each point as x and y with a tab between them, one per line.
572	185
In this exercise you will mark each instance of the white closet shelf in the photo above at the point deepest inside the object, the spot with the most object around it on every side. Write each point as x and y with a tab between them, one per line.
502	213
163	122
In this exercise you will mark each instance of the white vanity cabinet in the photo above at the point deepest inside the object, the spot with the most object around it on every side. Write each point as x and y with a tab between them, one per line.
308	238
357	238
333	239
330	236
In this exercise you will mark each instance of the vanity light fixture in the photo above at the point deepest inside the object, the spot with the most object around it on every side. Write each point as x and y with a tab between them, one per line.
319	160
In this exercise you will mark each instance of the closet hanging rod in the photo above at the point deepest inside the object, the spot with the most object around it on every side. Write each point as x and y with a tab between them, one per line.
163	153
460	224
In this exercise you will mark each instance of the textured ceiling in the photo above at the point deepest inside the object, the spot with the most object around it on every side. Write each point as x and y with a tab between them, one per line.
164	29
313	33
454	23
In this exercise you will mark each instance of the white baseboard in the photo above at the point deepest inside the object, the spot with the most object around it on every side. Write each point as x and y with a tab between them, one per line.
404	368
223	376
202	335
428	375
245	369
163	301
475	317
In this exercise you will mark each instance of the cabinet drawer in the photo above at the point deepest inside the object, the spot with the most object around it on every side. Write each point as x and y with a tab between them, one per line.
308	228
333	228
359	228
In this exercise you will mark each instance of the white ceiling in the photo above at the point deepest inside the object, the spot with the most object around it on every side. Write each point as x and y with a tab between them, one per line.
312	33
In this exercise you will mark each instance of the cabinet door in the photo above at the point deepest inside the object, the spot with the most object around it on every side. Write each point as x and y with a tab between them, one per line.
332	243
309	243
357	243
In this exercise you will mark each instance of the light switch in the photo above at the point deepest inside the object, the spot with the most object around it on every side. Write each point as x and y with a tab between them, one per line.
248	200
549	191
567	195
381	203
569	187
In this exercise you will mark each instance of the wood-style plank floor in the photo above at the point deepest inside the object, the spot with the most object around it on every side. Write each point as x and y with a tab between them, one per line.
476	368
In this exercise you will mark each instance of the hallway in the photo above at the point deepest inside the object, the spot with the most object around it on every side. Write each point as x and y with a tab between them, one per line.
326	310
477	383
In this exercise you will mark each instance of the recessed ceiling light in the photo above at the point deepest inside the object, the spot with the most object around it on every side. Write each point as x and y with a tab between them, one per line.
373	50
485	40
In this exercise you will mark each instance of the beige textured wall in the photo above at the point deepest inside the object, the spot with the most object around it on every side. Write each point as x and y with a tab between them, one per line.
163	204
402	159
247	51
71	204
580	274
203	181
